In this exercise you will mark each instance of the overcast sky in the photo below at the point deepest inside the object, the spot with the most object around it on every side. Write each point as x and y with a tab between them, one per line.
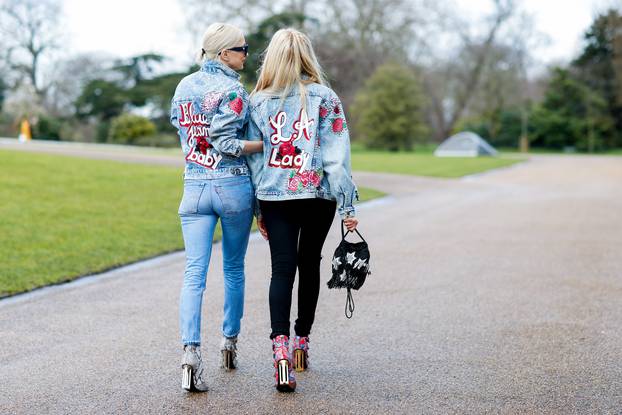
129	27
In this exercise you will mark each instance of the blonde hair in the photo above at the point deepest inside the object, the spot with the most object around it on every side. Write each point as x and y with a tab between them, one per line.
218	37
289	60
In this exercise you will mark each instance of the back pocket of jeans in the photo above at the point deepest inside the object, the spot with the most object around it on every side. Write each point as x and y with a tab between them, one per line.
236	196
190	200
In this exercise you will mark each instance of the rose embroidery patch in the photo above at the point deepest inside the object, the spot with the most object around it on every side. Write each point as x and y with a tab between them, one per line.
338	125
333	113
202	145
307	178
287	149
235	103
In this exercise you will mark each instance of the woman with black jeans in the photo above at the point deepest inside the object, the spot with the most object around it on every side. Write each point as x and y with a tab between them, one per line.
297	230
301	178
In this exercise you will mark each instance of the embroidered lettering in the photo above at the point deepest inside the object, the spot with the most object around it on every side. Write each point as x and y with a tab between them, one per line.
301	127
298	162
197	130
209	160
286	155
277	126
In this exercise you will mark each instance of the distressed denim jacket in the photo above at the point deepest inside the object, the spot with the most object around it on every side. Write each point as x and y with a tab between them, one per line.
209	110
306	153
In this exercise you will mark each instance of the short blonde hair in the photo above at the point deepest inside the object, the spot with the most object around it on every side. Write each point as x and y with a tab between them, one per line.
289	60
218	37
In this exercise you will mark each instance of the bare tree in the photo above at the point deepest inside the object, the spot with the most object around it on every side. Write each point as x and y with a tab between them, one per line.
351	37
30	32
356	36
501	87
69	76
244	13
451	84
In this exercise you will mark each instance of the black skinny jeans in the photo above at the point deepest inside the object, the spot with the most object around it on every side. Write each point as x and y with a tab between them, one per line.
297	230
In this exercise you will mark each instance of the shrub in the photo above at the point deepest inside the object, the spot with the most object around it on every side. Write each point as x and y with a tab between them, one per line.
127	128
47	128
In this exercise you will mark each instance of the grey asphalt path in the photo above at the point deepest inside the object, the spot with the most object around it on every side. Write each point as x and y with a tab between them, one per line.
131	154
497	293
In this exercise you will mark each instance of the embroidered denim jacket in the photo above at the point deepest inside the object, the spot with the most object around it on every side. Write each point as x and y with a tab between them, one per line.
209	110
306	153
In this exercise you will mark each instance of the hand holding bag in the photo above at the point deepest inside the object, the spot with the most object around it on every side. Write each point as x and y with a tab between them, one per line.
350	267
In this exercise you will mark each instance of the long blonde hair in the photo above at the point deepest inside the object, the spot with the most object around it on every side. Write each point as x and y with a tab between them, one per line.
218	37
289	61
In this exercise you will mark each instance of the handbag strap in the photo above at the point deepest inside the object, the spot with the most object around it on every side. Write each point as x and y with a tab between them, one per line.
349	304
344	234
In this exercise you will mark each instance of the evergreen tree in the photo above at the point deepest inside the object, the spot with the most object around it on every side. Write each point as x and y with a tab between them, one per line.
388	110
600	67
571	115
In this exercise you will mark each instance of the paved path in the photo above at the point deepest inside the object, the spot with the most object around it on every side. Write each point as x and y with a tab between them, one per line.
499	293
132	154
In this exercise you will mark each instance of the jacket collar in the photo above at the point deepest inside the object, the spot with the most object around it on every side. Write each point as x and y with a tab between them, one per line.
212	65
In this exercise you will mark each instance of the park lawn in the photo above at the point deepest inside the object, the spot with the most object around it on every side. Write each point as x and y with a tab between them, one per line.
64	217
426	164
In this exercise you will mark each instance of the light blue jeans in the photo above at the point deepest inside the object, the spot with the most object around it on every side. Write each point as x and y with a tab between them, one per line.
204	201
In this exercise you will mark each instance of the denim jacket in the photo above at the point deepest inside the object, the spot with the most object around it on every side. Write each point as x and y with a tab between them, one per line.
209	110
306	153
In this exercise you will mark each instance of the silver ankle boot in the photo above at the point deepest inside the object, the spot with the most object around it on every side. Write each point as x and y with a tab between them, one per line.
192	370
229	350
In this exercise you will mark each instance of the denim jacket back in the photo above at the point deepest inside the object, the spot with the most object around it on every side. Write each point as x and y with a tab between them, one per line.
209	110
306	153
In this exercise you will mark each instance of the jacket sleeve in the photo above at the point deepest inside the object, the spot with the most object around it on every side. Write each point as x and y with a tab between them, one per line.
256	160
335	150
228	122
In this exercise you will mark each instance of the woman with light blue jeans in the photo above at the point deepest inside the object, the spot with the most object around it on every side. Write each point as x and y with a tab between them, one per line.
209	110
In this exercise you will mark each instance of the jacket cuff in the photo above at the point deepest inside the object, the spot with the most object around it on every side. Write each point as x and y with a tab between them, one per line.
344	212
237	148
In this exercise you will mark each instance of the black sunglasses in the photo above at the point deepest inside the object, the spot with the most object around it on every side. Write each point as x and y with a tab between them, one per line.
243	49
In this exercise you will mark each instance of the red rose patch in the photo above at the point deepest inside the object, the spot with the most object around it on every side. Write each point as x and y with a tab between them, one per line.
338	125
287	149
202	145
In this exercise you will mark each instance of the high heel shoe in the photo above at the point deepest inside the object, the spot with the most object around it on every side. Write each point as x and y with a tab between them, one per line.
285	380
192	370
300	353
229	351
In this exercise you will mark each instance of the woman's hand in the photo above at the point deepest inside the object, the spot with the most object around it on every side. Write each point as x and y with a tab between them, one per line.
250	147
350	223
262	227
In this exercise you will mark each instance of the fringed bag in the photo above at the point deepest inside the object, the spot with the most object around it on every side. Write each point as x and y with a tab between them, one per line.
350	267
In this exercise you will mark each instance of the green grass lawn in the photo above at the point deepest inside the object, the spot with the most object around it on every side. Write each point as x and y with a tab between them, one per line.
424	163
63	217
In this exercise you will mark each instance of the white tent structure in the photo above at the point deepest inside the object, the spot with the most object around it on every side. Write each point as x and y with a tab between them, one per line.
465	144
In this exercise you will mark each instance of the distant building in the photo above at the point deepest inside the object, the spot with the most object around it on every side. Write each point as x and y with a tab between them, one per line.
465	144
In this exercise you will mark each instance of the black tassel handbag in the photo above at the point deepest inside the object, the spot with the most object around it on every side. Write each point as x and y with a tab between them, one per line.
350	267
